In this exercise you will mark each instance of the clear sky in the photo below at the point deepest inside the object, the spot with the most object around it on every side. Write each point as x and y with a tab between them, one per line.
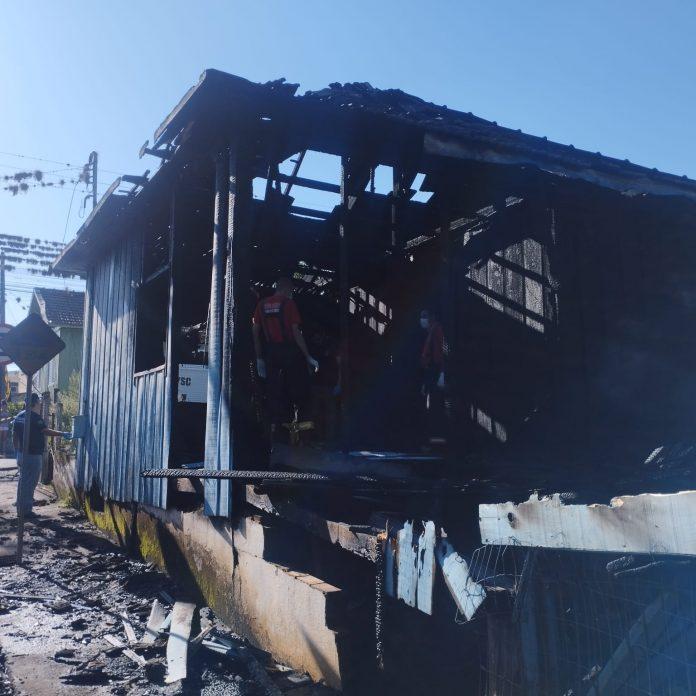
76	76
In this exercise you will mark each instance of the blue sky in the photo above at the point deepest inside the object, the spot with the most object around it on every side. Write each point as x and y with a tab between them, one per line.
77	76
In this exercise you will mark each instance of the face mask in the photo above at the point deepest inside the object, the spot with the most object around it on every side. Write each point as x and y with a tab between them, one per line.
425	323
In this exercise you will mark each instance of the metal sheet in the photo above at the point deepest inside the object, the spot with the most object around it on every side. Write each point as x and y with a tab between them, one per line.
124	413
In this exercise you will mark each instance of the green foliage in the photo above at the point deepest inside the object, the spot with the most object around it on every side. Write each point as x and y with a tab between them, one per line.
70	398
13	408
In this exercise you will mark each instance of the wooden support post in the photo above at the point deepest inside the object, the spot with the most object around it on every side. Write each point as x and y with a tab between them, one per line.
235	388
354	176
215	325
344	308
447	292
171	355
241	348
401	184
446	274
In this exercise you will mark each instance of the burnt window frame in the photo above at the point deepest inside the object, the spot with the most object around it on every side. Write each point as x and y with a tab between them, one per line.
152	302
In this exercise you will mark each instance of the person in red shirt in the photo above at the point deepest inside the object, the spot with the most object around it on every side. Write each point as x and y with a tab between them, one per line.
433	364
282	357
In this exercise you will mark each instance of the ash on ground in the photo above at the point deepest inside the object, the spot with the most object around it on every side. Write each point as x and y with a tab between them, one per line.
75	589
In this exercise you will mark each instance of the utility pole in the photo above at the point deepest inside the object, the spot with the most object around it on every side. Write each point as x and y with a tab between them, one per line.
3	371
93	162
2	287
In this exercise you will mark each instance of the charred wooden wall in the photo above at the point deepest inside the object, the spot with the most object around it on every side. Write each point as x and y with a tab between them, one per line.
573	341
125	412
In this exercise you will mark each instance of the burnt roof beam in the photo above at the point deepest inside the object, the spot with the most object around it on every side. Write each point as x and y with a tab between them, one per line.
307	183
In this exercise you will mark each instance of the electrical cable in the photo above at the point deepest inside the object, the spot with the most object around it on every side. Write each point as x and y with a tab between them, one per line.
50	161
67	219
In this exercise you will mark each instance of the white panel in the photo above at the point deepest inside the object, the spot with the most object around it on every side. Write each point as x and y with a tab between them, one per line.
193	384
648	523
467	594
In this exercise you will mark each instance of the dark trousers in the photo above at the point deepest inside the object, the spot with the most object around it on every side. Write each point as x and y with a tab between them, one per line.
287	377
433	404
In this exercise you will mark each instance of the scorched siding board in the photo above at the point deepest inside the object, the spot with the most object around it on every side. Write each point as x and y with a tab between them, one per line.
125	412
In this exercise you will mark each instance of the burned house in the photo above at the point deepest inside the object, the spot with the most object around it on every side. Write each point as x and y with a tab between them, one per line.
563	281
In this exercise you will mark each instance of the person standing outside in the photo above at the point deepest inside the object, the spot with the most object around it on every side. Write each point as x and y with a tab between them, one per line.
30	470
4	425
282	357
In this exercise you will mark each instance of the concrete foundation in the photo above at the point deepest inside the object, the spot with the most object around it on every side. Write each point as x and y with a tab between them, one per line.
292	615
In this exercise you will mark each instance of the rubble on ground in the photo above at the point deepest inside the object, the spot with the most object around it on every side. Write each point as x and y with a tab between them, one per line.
79	612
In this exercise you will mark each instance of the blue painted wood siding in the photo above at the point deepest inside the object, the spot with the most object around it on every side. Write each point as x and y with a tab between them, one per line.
125	413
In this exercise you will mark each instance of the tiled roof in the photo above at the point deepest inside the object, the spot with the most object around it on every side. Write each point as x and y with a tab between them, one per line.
61	307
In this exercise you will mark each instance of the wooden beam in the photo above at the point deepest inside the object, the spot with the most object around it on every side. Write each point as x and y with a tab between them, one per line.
235	400
171	379
217	287
426	568
468	595
310	212
400	196
648	523
128	628
157	616
361	543
355	173
413	564
177	645
407	565
307	183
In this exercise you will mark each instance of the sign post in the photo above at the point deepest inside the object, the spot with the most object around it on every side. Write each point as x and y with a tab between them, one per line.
4	361
25	454
30	344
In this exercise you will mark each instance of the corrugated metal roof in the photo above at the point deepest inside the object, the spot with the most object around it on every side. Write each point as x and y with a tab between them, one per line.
59	308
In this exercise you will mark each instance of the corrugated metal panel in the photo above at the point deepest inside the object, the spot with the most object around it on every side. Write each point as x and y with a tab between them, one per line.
148	427
125	413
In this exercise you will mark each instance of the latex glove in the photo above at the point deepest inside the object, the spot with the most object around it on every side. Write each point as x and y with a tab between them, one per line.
314	365
66	436
261	368
441	381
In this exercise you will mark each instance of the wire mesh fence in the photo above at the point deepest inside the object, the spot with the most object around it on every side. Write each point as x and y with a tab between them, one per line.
570	623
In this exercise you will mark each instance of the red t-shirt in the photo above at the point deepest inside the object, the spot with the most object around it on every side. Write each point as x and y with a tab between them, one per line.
276	315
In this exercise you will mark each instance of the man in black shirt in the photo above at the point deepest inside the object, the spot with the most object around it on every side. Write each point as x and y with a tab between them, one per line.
30	470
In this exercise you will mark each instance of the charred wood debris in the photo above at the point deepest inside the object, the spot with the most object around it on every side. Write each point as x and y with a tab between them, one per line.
121	626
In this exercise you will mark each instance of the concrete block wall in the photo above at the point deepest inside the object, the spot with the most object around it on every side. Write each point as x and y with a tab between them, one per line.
289	613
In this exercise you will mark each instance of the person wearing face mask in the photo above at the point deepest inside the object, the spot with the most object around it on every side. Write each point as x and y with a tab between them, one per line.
433	366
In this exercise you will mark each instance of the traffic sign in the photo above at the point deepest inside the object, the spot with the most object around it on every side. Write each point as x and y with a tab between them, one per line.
4	359
31	344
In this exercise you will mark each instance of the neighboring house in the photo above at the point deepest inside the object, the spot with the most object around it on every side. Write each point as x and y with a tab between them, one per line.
63	311
17	386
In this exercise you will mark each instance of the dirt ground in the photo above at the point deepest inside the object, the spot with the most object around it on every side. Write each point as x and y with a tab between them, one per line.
74	588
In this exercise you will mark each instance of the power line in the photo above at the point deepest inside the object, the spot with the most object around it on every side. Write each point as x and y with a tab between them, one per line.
37	159
67	219
50	161
50	171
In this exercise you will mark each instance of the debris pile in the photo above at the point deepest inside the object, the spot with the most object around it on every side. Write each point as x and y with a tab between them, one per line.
80	613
